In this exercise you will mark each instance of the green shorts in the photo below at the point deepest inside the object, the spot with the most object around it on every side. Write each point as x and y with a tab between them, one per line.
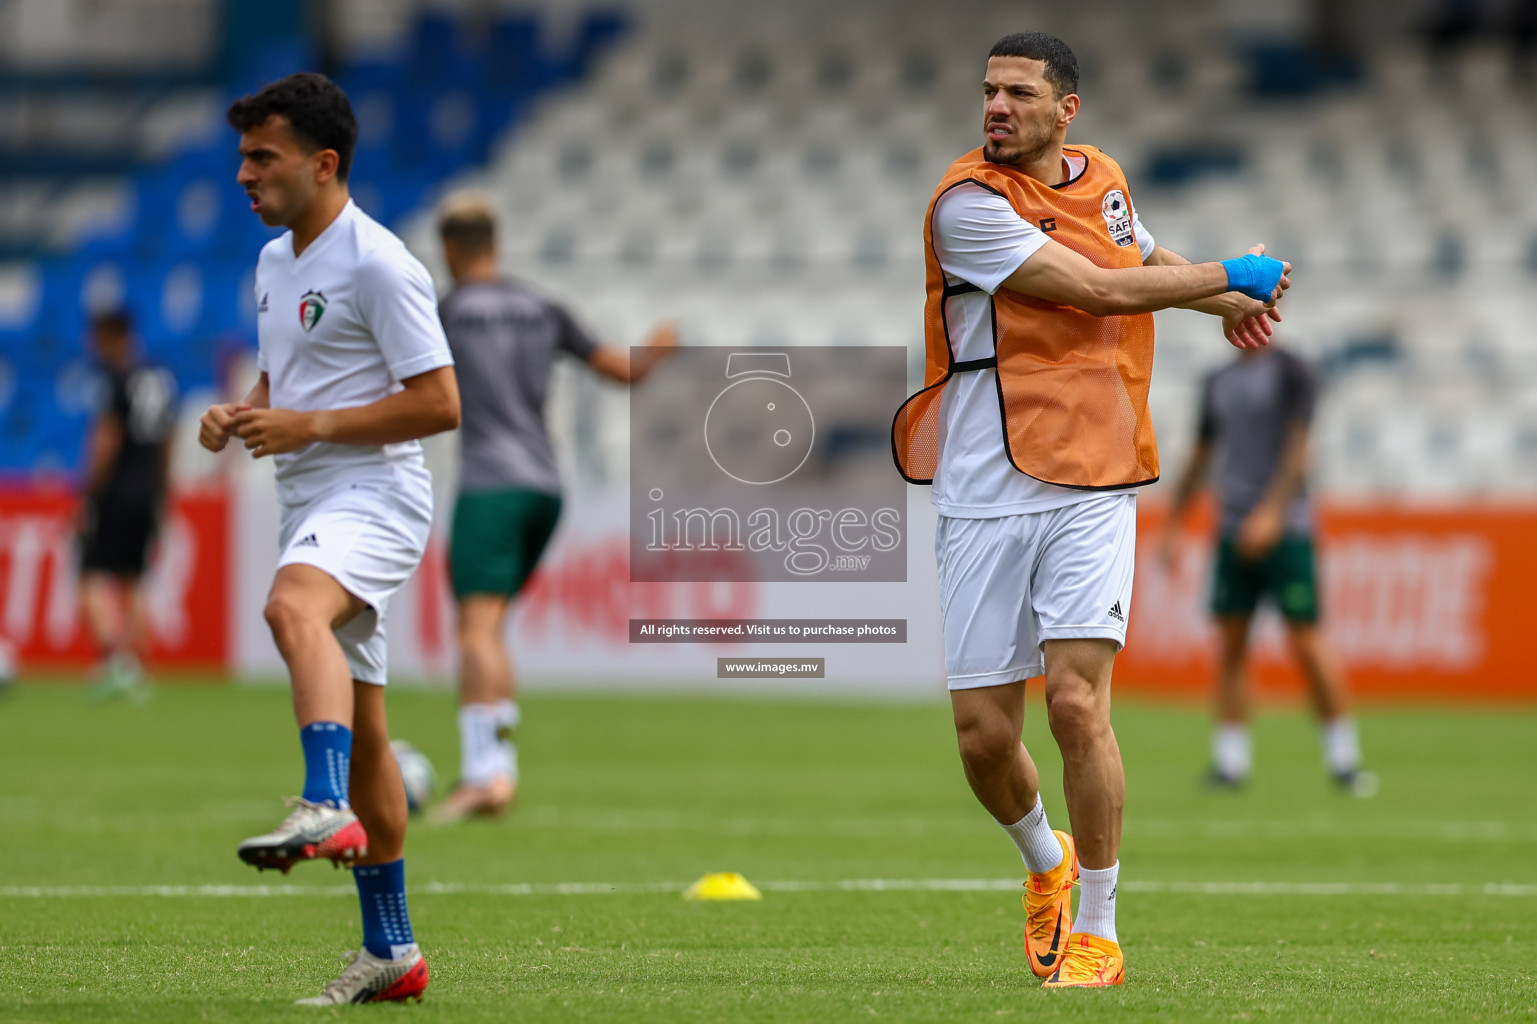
1287	575
497	539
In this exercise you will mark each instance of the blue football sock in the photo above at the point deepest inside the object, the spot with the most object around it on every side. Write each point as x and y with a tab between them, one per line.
327	760
382	893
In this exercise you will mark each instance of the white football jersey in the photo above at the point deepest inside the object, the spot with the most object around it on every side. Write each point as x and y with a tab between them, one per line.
341	326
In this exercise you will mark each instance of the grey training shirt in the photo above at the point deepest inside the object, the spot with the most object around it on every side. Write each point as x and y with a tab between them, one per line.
1247	410
504	338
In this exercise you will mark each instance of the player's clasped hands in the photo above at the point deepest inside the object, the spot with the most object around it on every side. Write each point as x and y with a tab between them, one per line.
218	425
264	431
1258	276
1253	276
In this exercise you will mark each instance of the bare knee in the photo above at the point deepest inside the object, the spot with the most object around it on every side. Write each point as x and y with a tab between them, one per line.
1306	646
288	619
476	639
1233	644
987	745
1075	714
480	622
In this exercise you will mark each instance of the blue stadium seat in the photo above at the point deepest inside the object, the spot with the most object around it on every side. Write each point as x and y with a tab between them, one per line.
63	305
369	74
439	56
74	392
388	193
228	304
378	116
59	437
599	28
116	247
439	132
42	345
20	425
515	61
155	201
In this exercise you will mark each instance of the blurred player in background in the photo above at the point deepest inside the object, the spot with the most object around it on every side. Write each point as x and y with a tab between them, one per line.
504	339
1041	287
354	371
127	464
1254	420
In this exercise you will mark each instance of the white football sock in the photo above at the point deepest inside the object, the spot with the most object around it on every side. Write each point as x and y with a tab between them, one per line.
1341	744
1096	901
479	757
507	720
1037	843
1231	752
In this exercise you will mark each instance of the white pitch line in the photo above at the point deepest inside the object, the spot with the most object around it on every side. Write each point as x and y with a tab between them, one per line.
845	885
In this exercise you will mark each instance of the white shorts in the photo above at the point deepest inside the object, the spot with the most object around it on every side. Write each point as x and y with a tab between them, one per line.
369	536
1008	584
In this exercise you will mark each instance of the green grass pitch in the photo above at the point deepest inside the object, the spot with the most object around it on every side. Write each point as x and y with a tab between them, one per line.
648	793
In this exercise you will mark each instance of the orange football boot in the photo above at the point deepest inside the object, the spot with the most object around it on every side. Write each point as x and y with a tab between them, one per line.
1049	910
1088	961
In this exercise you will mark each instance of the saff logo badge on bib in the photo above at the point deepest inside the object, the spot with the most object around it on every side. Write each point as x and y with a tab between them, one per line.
1117	213
311	307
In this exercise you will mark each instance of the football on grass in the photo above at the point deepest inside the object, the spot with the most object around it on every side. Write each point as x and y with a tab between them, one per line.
417	774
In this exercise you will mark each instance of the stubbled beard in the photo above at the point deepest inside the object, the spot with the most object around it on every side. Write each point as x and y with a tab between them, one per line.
1027	153
994	155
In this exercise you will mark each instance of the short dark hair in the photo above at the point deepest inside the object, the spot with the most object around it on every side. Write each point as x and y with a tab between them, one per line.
1061	65
316	109
112	322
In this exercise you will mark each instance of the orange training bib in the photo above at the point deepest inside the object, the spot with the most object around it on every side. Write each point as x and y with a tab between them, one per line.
1072	387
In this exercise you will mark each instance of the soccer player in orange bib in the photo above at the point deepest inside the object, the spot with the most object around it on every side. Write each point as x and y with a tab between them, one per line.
1033	428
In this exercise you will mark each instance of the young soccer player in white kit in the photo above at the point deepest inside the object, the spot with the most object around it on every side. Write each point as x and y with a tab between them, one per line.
354	371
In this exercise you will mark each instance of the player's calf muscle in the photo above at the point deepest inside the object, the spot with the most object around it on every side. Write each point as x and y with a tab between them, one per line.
376	793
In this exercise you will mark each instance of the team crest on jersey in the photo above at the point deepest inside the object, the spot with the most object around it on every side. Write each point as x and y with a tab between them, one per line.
311	307
1117	213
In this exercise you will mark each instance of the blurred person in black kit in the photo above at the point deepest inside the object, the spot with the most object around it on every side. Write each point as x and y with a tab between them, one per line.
127	463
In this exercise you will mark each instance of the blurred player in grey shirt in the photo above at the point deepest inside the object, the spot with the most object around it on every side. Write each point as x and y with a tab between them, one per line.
504	338
1254	422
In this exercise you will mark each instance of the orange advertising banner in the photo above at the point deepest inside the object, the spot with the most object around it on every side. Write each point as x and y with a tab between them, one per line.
1416	603
186	588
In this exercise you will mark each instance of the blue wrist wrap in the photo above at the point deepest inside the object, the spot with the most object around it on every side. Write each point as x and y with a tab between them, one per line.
1254	275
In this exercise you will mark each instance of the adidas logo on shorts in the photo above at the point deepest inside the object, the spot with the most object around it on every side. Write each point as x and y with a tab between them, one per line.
1117	614
309	541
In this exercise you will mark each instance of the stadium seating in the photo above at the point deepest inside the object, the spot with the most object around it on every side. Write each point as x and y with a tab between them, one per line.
766	186
182	254
763	182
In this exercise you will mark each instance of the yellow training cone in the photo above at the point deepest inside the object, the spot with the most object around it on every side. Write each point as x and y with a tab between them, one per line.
722	885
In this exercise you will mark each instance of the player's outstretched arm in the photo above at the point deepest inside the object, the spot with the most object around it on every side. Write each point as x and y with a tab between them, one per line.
427	403
1058	274
1245	321
618	364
